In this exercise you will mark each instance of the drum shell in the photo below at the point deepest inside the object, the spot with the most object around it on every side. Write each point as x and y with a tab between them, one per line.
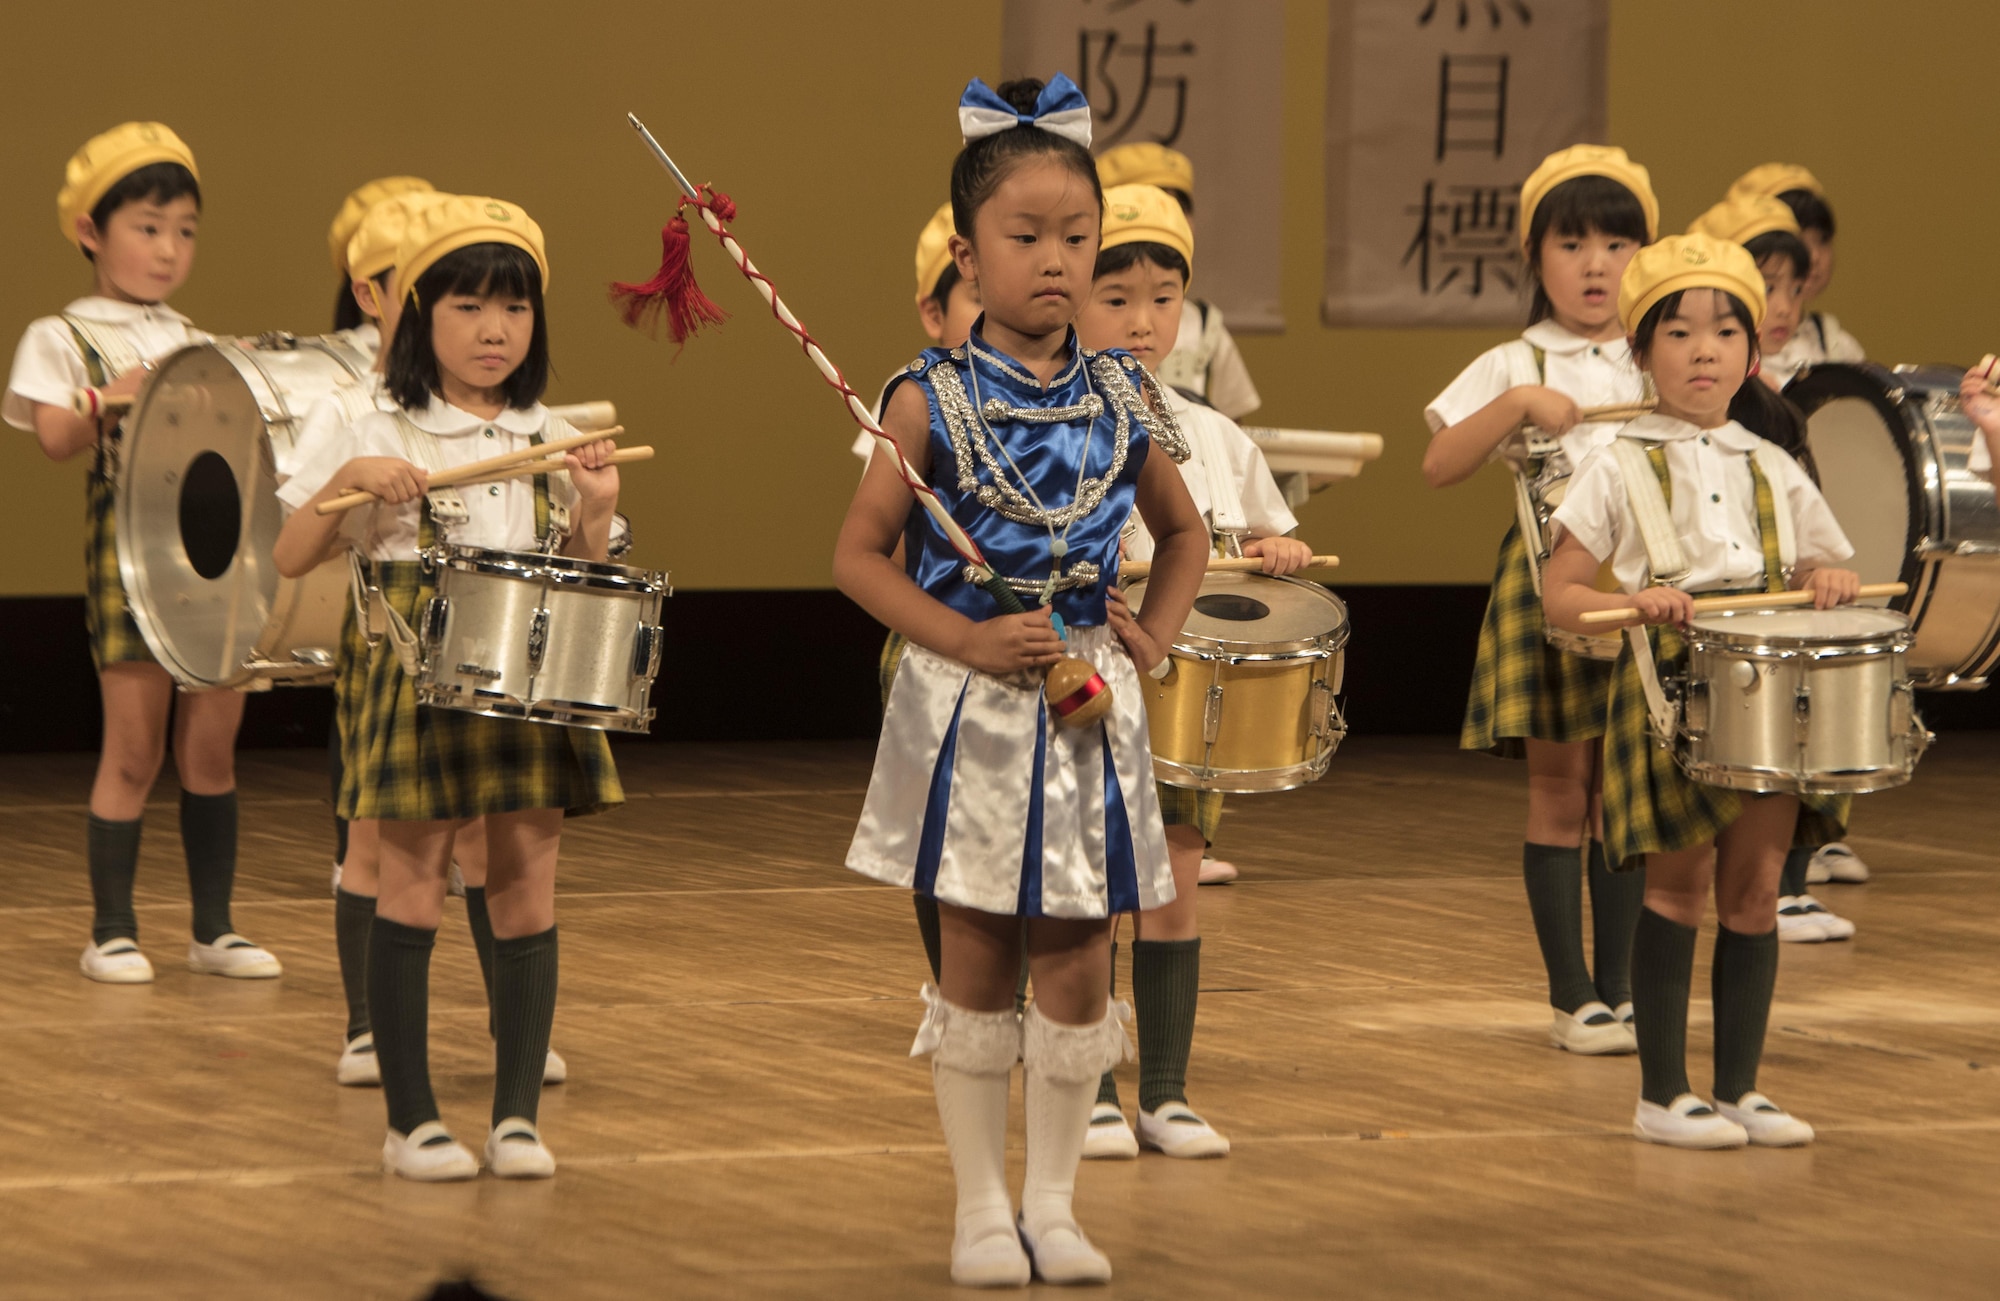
1538	497
303	636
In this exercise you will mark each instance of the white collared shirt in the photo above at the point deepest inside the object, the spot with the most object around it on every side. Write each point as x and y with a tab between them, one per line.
1819	338
1714	508
325	422
1205	360
1591	373
48	367
365	338
1242	471
501	515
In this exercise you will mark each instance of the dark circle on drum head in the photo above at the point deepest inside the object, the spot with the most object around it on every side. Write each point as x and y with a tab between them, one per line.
211	515
1232	608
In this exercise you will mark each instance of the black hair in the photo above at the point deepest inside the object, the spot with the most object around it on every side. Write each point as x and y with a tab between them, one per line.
496	270
1580	206
946	282
1811	210
1181	197
1781	244
1755	406
1123	257
347	313
160	182
984	163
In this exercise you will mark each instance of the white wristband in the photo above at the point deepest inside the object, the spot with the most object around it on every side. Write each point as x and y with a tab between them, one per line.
1159	671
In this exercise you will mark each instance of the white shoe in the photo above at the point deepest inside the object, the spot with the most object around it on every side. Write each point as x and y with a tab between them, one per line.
1063	1255
358	1065
1624	1012
514	1151
1836	862
1798	925
454	880
1176	1130
1688	1122
1592	1031
233	956
994	1259
1768	1124
117	961
1836	928
1109	1138
428	1155
336	876
1215	871
554	1070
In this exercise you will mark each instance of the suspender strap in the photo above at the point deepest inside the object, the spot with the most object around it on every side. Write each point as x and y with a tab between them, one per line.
420	446
1775	526
1526	518
1643	466
107	353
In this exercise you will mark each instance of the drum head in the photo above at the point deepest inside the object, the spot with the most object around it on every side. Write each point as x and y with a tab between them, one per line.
1863	444
1245	610
1847	623
198	516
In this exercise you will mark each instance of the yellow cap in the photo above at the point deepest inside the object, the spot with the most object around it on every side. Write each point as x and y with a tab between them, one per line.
1146	164
1742	218
1774	179
1681	262
459	221
108	159
373	248
356	205
1588	160
933	251
1136	214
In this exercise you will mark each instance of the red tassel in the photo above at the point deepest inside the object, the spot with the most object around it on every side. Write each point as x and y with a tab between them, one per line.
672	292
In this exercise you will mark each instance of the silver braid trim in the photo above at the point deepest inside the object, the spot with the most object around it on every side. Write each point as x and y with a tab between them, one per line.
971	449
1081	574
1158	421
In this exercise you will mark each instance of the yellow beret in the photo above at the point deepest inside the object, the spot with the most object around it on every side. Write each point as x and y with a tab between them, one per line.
1774	179
380	234
356	205
108	159
459	221
1146	214
1681	262
933	251
1588	160
1146	164
1742	218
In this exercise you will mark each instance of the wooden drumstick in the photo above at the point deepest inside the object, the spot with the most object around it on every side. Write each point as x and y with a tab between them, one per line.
528	469
587	415
1220	565
89	402
1615	411
1987	365
1743	601
467	473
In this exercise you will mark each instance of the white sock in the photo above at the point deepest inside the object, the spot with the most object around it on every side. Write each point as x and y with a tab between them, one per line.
972	1065
1063	1066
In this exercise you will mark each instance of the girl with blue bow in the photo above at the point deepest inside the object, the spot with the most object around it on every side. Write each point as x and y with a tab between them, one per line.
981	798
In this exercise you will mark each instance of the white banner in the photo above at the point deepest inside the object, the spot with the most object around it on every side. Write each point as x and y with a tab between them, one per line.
1204	76
1436	111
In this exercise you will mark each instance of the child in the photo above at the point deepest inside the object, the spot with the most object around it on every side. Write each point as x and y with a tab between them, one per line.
1584	212
131	203
357	314
1819	337
981	796
1204	359
466	368
1693	306
1143	268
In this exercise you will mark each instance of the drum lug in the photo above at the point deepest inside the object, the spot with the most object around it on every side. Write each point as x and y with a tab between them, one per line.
646	650
1211	715
1802	714
437	613
1694	712
313	656
1327	724
538	639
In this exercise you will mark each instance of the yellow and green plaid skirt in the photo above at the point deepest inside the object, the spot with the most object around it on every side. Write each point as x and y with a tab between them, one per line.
412	763
350	683
1650	805
1182	807
1522	687
114	635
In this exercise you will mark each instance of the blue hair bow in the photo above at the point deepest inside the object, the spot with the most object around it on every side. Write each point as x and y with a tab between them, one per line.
1061	108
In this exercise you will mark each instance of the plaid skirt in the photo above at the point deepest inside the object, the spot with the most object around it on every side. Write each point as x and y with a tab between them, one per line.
1650	805
1522	687
114	635
1182	807
350	683
411	763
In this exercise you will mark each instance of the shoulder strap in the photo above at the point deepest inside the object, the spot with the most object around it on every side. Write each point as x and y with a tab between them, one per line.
1526	364
1775	525
1225	500
552	509
356	400
107	353
1647	483
447	507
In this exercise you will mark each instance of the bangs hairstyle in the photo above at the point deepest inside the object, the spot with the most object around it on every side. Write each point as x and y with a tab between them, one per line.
160	183
484	271
1811	211
1781	244
1579	207
1124	257
1755	407
983	164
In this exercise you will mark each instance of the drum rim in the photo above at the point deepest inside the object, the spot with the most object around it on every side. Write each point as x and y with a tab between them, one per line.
535	566
1702	633
1326	645
1816	386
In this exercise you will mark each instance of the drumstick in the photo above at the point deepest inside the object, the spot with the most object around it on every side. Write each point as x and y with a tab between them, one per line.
528	469
1986	367
587	415
1219	565
1743	601
89	402
1615	411
467	473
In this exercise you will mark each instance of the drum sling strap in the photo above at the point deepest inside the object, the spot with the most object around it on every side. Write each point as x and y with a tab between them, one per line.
107	354
1526	518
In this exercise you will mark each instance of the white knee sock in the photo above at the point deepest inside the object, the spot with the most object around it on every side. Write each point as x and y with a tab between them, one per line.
1063	1066
972	1062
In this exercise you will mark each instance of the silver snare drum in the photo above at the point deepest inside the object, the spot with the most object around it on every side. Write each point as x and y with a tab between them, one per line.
516	634
1809	702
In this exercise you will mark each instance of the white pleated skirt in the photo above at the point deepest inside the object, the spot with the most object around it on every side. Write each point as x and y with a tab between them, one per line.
981	799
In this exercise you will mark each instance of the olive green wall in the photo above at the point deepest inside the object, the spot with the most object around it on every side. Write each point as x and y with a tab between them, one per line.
832	126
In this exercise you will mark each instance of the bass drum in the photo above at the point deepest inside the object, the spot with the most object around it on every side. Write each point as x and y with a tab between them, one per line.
1895	457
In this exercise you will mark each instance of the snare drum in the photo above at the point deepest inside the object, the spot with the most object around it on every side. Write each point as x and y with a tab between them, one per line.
518	634
1811	702
1892	449
1251	702
1539	486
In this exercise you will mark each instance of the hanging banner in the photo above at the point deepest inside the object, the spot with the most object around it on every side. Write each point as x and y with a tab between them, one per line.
1201	76
1436	111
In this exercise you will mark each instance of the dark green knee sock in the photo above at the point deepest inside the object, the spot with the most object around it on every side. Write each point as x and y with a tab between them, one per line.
524	1010
353	919
1615	901
334	767
208	837
1662	970
1554	877
930	930
481	923
1107	1088
1793	879
1166	981
1744	973
399	1008
114	864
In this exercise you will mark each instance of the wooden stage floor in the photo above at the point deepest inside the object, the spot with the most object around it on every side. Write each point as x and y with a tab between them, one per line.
742	1120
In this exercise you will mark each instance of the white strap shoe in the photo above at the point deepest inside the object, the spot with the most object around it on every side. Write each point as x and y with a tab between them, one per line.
1686	1122
233	956
1836	928
1593	1030
116	962
554	1070
1063	1255
1177	1131
1836	862
1109	1137
358	1066
1797	924
514	1151
1767	1124
989	1256
428	1154
1216	871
